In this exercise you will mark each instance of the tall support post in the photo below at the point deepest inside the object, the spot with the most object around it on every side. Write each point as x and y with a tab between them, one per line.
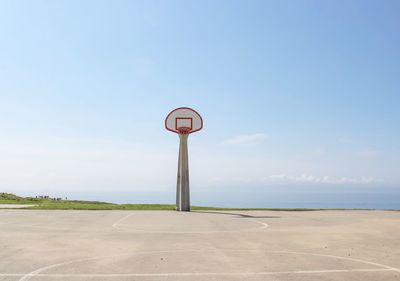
182	187
183	121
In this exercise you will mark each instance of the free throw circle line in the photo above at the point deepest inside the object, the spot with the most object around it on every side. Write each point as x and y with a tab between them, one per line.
196	273
119	226
383	267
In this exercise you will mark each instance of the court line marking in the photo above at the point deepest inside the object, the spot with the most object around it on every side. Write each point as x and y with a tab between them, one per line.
39	271
264	225
344	258
122	227
196	273
117	223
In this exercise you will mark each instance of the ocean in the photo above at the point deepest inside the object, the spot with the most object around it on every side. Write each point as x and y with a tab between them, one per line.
349	197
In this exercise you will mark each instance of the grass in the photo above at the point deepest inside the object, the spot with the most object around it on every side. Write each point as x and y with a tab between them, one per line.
9	198
87	205
50	204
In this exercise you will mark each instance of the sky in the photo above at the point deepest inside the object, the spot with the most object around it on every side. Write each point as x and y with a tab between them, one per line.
299	98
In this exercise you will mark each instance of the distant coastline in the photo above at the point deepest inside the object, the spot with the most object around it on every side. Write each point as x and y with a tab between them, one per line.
48	203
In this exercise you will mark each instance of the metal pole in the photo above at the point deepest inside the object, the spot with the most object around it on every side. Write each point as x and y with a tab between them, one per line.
182	187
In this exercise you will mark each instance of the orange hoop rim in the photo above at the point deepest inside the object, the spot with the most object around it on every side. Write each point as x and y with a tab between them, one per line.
184	130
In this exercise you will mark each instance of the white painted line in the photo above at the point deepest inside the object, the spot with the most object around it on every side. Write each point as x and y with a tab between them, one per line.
117	223
264	225
344	258
188	232
120	226
383	267
177	274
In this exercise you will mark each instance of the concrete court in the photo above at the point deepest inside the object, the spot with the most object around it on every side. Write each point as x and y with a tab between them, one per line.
167	245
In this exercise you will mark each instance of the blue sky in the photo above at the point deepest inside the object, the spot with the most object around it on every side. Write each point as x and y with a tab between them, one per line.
293	93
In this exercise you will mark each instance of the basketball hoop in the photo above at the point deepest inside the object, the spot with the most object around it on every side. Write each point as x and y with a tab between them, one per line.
183	121
184	130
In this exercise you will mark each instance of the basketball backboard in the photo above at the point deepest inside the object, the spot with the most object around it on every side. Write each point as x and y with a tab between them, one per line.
183	120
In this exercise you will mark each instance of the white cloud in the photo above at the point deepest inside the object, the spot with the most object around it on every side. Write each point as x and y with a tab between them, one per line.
324	179
251	139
